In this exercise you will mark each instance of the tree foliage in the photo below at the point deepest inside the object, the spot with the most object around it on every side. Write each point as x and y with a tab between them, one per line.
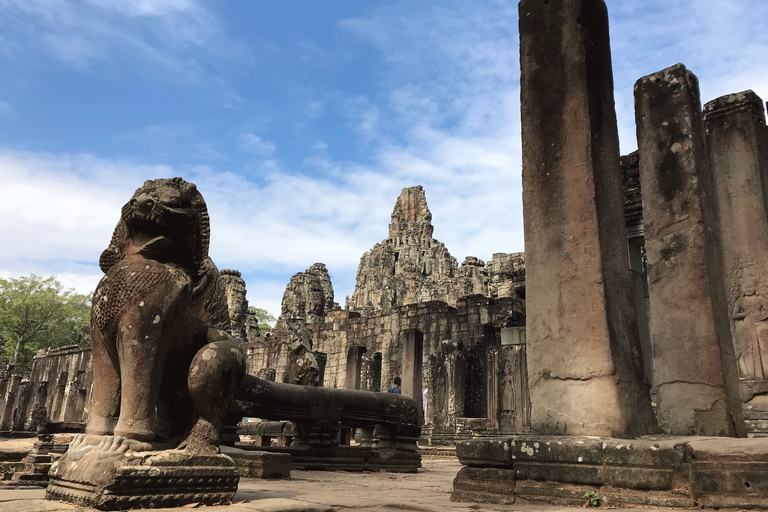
38	313
265	318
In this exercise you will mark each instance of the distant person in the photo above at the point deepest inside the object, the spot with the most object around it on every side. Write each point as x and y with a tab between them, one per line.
395	388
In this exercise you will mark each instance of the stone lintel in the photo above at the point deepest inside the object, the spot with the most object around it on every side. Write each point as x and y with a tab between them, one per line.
583	344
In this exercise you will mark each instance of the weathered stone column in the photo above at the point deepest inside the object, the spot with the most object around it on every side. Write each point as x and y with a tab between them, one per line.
688	312
354	367
413	353
584	364
737	142
455	373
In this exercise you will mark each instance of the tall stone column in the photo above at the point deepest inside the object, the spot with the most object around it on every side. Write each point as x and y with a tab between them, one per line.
738	156
413	353
688	313
354	367
584	363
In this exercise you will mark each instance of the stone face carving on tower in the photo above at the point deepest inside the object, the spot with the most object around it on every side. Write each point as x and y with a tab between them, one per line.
506	275
583	346
309	295
307	299
234	290
410	266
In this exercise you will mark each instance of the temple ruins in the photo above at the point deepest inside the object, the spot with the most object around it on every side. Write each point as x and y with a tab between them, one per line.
645	371
625	352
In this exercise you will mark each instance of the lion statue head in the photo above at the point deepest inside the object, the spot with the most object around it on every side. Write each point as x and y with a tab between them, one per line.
167	219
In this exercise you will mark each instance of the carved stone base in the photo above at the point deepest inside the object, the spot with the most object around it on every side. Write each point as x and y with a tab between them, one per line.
659	471
107	474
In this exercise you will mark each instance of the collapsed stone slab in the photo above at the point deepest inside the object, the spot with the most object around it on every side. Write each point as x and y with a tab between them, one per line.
658	471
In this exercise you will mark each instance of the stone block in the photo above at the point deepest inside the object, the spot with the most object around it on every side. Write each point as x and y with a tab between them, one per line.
652	452
260	464
727	450
485	452
580	474
657	479
561	449
749	479
484	485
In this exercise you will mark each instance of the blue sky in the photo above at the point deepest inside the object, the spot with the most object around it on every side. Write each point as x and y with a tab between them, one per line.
299	120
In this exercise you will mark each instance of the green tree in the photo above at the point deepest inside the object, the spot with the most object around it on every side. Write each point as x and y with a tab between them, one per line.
265	318
38	313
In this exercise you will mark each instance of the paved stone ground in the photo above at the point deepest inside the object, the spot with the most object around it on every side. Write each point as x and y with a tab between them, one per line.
429	490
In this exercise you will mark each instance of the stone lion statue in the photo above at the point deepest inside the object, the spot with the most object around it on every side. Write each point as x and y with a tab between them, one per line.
164	370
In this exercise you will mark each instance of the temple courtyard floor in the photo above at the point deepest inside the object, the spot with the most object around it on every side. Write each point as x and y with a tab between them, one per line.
429	490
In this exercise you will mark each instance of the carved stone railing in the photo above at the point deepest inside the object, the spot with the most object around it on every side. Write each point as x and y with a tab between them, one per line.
389	424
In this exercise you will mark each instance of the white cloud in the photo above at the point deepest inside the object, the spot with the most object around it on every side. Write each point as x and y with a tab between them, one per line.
362	115
170	40
6	110
444	115
256	145
718	40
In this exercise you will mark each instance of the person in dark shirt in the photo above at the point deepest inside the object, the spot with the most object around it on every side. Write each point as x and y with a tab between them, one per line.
395	388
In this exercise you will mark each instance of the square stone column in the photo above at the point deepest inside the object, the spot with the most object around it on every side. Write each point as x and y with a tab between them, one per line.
689	328
354	367
738	156
584	364
413	353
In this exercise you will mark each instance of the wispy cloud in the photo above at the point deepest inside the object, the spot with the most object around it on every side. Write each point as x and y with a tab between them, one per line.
6	110
168	38
256	145
718	40
442	111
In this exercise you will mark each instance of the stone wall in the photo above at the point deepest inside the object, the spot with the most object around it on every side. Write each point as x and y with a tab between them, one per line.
61	380
486	389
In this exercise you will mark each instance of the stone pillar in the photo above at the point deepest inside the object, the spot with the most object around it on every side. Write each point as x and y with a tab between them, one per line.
455	372
354	367
376	372
688	312
493	401
413	352
11	395
322	361
584	363
738	156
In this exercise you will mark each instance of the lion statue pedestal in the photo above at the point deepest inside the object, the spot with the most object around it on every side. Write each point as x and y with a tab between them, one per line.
164	370
104	472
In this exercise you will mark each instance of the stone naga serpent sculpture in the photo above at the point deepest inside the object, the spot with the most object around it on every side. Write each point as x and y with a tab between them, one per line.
164	372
